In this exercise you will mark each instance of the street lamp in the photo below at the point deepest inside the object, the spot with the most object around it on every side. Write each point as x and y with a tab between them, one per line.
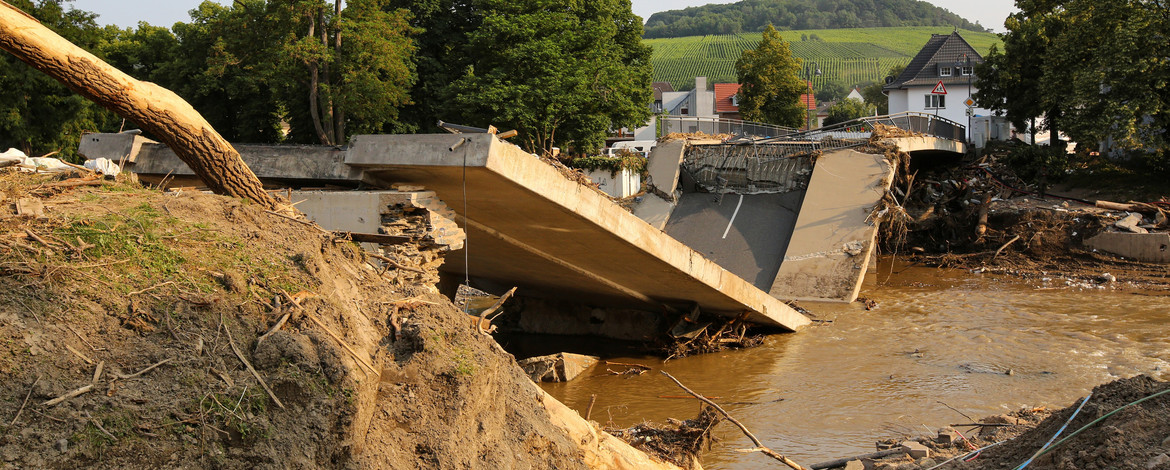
810	69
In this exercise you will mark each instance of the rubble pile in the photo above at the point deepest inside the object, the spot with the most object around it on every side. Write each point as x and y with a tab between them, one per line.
678	442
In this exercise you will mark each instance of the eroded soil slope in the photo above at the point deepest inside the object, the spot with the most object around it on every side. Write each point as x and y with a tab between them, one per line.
370	369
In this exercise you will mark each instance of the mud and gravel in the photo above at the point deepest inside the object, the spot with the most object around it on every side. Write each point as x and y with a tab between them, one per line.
116	278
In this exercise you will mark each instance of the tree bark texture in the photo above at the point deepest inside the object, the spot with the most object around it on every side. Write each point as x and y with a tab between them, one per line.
159	111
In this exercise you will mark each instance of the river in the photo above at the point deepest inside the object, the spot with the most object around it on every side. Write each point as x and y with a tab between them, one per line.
982	344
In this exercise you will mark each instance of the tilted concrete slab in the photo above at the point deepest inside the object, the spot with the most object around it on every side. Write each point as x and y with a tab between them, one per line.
530	226
834	238
1147	247
746	234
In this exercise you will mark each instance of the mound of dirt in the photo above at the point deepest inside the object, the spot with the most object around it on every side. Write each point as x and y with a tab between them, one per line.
1137	437
143	330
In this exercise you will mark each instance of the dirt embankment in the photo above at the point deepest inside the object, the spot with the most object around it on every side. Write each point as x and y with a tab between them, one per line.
127	315
1125	424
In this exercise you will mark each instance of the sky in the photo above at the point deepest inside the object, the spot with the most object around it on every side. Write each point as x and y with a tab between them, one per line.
989	13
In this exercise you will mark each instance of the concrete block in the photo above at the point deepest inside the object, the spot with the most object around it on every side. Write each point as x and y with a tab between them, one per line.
112	146
854	465
1146	247
947	436
1130	223
916	450
560	367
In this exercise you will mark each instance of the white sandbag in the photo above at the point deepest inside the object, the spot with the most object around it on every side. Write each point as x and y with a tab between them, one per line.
12	157
104	166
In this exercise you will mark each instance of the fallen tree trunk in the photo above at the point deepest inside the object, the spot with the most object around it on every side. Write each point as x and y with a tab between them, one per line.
157	110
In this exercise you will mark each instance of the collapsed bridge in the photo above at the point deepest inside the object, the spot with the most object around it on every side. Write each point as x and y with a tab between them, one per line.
721	228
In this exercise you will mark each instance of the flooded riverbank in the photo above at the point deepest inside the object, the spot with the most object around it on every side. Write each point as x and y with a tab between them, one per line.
982	344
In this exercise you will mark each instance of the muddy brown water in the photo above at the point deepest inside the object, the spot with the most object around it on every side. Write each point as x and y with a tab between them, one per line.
936	337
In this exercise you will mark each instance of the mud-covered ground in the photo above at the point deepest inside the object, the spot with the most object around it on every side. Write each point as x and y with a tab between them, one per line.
131	321
1125	424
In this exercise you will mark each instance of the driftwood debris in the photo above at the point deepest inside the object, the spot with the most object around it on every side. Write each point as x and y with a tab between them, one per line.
488	311
760	447
872	455
71	394
159	111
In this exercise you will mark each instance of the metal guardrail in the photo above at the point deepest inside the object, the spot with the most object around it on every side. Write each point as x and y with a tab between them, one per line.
715	126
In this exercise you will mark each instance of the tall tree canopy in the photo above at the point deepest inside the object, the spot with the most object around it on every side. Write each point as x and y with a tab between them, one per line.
562	72
771	84
37	113
1094	70
848	109
755	15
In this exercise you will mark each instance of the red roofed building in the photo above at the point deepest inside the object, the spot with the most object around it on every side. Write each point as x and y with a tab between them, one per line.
726	104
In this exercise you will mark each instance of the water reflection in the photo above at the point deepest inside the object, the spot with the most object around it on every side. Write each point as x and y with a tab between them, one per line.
979	343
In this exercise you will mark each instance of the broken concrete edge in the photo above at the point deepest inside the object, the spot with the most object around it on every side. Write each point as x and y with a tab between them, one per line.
512	163
664	166
926	143
1145	247
559	367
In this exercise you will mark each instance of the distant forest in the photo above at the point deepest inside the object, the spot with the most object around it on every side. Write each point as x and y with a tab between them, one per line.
754	16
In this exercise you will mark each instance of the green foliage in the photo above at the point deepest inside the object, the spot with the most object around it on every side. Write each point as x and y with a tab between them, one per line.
832	91
771	82
873	94
847	110
561	72
1095	71
847	57
625	160
37	113
755	15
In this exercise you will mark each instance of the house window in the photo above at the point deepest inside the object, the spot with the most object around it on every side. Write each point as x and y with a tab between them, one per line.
685	111
936	101
944	71
968	70
735	100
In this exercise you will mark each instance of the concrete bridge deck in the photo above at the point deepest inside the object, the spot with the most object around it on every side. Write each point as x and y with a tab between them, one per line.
527	224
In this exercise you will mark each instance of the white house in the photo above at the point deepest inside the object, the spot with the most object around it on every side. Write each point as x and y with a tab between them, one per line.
699	102
947	59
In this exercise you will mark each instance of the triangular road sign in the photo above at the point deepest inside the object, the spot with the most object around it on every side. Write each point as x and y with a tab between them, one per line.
939	89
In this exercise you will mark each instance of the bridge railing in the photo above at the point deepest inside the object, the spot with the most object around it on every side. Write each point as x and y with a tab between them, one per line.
715	126
784	163
850	133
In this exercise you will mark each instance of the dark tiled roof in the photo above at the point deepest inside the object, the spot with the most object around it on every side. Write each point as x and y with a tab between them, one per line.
941	49
660	87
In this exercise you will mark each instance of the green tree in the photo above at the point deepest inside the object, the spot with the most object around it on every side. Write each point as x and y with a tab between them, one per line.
562	72
38	114
1093	70
1008	82
341	69
770	82
874	95
848	109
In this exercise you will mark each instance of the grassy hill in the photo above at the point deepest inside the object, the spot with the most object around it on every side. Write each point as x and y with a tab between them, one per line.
846	56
